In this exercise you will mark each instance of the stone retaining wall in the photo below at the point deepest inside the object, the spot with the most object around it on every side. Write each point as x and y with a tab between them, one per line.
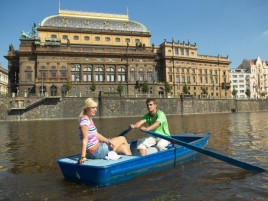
112	107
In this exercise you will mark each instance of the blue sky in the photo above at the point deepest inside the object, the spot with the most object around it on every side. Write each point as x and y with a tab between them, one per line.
237	28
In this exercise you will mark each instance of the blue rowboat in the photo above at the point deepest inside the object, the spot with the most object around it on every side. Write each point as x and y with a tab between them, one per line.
101	172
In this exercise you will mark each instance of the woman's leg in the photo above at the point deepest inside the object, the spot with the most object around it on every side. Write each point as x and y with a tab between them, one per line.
121	145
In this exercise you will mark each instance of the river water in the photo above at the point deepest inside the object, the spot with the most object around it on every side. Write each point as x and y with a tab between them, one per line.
29	150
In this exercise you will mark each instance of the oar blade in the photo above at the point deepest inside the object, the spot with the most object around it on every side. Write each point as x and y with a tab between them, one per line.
213	154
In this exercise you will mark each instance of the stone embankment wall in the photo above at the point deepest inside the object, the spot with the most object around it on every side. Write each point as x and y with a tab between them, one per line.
111	107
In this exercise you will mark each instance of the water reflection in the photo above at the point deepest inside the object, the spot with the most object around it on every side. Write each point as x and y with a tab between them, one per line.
28	153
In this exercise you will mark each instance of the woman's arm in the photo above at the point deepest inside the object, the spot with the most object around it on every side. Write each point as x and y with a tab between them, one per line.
84	130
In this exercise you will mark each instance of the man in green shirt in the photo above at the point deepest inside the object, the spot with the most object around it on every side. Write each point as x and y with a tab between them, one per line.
157	122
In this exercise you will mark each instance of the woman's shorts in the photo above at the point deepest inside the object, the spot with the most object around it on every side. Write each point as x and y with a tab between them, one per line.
101	152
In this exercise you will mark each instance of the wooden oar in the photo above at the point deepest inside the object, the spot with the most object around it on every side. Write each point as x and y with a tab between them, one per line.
125	132
213	154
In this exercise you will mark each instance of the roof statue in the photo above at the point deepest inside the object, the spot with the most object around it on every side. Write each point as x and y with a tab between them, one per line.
24	35
34	31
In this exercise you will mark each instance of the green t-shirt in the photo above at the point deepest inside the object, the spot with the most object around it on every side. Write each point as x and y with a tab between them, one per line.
161	117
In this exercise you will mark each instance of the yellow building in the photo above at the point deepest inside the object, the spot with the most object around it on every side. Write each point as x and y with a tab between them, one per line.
3	81
182	67
88	52
104	50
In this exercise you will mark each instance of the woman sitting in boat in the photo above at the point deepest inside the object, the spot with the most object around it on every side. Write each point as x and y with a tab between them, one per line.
93	144
157	122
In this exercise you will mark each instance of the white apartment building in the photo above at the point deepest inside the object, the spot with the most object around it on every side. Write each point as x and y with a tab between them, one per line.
252	75
240	82
3	81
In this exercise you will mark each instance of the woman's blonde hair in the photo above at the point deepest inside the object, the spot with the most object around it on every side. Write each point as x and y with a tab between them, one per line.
89	103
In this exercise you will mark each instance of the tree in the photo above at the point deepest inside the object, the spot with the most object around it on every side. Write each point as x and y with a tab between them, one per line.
68	85
120	88
167	88
93	86
185	89
234	92
205	91
263	94
145	87
248	92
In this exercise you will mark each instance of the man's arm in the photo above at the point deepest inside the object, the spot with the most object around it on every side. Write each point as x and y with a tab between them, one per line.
138	124
152	127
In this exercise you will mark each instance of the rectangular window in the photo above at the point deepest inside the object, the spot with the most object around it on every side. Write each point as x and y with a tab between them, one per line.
76	37
53	74
150	77
127	40
187	52
97	38
183	79
176	50
170	78
181	51
29	77
132	77
193	79
63	75
121	78
137	40
117	40
141	77
107	39
188	79
86	38
87	77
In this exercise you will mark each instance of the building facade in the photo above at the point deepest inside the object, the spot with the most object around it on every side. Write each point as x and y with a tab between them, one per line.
255	75
3	81
100	52
181	66
240	82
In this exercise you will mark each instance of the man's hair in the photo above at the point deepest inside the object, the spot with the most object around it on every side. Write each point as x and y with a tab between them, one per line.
151	100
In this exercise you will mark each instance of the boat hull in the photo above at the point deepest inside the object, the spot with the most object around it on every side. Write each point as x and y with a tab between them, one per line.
106	172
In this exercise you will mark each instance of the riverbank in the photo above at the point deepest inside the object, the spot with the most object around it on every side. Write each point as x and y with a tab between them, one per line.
50	108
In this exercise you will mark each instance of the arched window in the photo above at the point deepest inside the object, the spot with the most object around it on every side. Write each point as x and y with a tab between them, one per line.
133	76
76	72
99	74
121	76
87	74
110	74
53	90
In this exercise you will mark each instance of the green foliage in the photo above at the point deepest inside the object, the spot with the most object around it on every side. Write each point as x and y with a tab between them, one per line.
263	94
145	87
167	88
68	85
185	89
120	88
205	91
234	92
93	86
248	92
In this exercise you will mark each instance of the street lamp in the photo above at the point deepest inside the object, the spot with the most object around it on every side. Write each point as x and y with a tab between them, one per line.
42	86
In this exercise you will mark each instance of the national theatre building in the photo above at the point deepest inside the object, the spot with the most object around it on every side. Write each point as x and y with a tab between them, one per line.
82	52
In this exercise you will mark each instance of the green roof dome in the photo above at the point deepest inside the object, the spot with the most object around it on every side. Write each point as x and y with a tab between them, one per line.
93	21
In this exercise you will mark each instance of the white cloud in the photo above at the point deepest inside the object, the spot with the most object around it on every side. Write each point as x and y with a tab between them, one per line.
265	33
